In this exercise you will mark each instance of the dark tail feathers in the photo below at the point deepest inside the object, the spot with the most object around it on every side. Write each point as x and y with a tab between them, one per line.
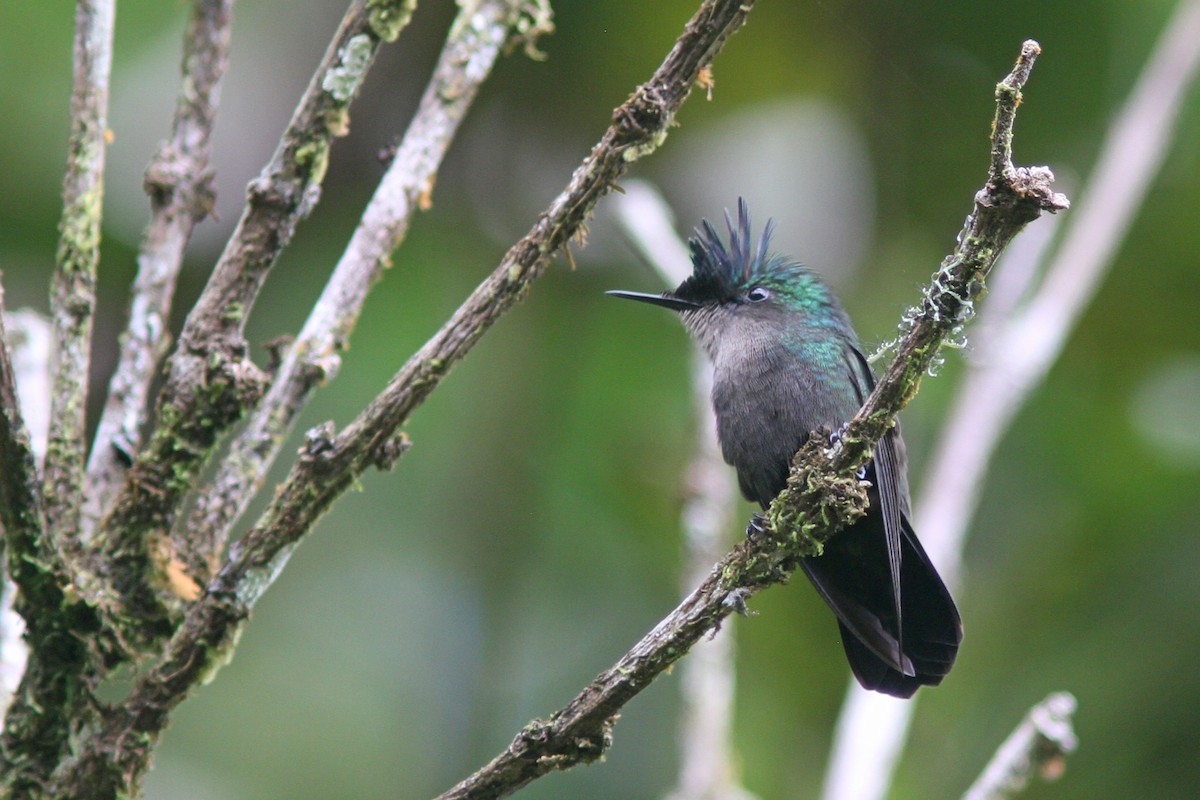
853	577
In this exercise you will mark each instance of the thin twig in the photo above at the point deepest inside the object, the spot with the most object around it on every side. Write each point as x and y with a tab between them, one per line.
112	757
1038	747
1014	358
179	183
472	46
707	769
210	381
73	285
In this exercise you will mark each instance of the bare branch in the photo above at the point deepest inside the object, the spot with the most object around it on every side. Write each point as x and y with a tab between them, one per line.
1039	746
471	48
1014	358
179	183
210	381
73	285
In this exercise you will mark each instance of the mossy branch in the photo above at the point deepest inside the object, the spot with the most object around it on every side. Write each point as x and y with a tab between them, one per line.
179	182
474	43
823	493
42	525
111	757
73	285
211	382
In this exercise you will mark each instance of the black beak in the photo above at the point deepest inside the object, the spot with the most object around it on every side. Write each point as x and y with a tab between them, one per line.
664	300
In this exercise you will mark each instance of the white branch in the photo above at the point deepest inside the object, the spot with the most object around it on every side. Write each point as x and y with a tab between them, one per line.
1038	746
178	181
475	41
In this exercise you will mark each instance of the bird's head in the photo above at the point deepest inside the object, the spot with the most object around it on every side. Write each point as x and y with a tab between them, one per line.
740	287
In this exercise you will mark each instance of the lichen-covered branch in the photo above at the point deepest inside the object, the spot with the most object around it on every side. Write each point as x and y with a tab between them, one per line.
111	757
52	690
179	182
1011	198
331	462
210	381
73	285
42	525
25	336
1038	747
822	496
21	510
472	46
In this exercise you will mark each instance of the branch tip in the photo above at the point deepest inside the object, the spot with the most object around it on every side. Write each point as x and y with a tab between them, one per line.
1038	747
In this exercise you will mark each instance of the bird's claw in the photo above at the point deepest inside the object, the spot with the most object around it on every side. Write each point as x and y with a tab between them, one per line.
839	434
835	438
756	527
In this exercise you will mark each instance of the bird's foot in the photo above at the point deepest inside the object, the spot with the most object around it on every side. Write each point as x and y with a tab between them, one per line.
835	438
756	528
839	434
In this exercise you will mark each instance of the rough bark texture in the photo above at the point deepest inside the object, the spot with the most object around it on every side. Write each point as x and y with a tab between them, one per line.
172	605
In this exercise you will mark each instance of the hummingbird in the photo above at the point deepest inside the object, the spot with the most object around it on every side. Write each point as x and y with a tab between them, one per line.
787	362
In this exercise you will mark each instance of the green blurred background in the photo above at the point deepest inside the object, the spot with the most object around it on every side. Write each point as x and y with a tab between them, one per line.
530	536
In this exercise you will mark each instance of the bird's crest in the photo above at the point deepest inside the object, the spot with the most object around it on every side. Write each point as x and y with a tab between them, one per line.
720	272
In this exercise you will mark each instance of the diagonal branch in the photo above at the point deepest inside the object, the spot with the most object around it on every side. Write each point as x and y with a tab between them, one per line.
1015	358
210	382
1011	198
331	463
471	48
179	182
112	756
73	285
823	493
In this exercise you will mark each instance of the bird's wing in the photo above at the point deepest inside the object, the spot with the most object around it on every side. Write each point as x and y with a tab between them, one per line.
888	480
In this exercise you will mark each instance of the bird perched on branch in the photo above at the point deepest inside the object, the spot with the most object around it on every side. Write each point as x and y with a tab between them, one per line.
787	362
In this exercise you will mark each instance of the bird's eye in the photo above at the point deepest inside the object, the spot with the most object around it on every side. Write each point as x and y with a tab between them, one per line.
758	294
